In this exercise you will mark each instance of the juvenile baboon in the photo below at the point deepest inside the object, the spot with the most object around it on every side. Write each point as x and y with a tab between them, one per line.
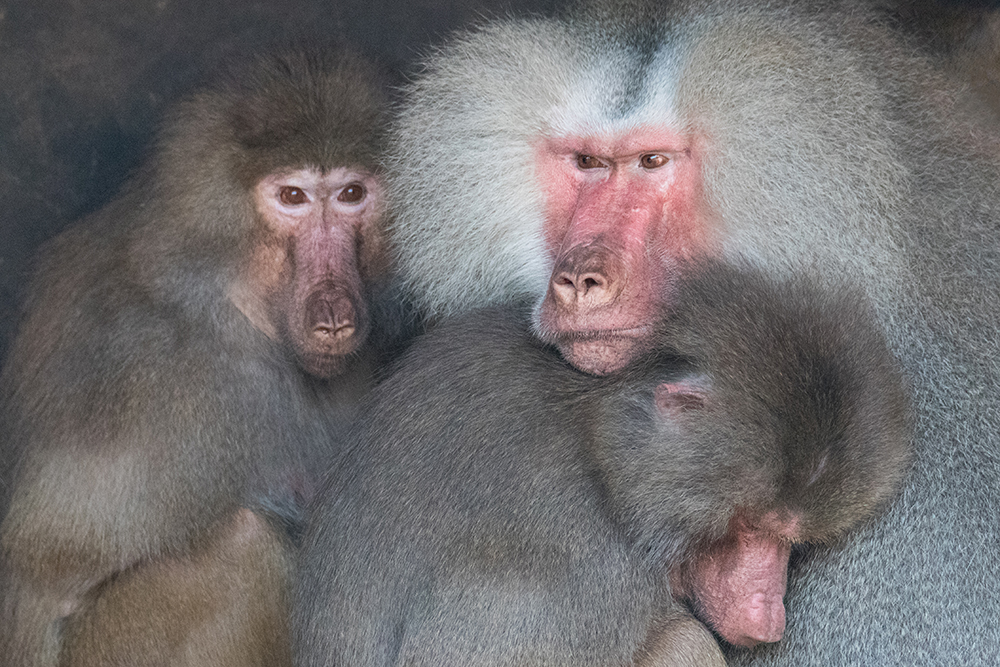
496	506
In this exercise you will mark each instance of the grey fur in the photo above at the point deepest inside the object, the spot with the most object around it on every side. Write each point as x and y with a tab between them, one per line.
835	149
497	507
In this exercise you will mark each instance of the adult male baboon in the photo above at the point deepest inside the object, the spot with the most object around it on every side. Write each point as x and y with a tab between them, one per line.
189	354
503	508
575	162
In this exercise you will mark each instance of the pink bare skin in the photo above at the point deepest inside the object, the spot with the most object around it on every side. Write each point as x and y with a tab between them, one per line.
318	240
620	210
737	586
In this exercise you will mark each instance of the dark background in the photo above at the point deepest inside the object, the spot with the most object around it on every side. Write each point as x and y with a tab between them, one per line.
83	84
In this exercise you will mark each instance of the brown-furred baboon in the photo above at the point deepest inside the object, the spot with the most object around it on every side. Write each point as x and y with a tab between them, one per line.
188	356
575	161
496	506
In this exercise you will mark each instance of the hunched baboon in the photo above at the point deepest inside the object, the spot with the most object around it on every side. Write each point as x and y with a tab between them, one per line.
189	356
496	506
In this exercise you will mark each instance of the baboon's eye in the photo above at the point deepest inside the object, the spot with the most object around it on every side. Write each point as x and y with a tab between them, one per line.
590	162
653	160
293	196
352	194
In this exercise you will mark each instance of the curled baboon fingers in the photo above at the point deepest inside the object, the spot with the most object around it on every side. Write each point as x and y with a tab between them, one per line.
682	642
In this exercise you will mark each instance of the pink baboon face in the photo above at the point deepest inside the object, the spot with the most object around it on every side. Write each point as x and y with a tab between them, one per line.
620	211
